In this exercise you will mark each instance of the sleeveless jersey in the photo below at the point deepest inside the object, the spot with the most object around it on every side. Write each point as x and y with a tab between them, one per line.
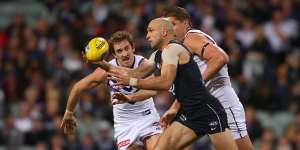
129	111
189	87
220	79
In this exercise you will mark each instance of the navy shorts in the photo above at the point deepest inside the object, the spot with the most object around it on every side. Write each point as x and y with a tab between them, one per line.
209	118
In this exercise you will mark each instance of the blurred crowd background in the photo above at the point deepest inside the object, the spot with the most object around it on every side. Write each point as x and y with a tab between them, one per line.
40	59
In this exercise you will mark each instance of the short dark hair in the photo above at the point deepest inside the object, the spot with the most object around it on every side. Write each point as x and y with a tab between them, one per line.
118	37
178	12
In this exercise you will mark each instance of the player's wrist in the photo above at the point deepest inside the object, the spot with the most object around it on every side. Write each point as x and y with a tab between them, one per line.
129	98
133	82
69	112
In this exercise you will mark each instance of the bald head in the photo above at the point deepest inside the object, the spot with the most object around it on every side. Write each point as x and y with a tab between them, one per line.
163	24
159	31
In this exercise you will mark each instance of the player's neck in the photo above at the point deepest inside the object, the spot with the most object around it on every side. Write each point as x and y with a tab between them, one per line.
166	42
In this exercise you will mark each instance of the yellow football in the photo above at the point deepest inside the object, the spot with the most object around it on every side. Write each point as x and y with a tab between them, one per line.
96	48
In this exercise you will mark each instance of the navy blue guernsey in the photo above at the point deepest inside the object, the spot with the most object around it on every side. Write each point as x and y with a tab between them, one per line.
199	110
189	87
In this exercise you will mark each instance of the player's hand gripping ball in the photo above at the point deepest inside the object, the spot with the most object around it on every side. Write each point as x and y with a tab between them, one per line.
96	48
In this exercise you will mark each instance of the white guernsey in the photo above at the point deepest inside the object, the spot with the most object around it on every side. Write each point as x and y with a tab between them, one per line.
220	87
133	122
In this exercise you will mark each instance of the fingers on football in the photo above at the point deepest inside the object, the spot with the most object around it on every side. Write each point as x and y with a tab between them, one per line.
117	95
117	101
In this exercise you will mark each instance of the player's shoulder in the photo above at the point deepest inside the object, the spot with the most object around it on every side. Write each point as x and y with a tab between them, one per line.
113	61
174	44
139	57
198	35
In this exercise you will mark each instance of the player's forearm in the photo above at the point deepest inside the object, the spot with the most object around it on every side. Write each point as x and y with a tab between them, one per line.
105	65
175	106
138	74
76	91
141	72
156	83
214	64
73	98
141	95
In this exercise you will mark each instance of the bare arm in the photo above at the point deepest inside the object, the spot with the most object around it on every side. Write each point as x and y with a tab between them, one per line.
90	81
145	68
141	95
162	82
170	59
216	58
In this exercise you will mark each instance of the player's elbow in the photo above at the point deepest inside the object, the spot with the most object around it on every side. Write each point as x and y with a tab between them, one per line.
100	74
223	59
78	87
166	85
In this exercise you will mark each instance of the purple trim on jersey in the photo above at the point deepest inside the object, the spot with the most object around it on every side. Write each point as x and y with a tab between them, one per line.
141	61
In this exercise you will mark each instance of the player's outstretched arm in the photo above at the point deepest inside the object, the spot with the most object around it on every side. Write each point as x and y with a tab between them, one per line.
162	82
216	58
145	69
141	95
92	80
170	57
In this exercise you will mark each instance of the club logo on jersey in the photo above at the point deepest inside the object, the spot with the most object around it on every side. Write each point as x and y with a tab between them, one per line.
125	89
182	117
158	65
128	88
172	89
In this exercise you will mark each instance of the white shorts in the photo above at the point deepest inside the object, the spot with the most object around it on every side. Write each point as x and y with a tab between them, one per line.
236	121
135	131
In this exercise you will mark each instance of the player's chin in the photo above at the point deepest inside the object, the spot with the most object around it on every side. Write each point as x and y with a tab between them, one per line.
126	63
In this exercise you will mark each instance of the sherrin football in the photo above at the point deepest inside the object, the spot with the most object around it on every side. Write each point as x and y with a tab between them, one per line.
96	48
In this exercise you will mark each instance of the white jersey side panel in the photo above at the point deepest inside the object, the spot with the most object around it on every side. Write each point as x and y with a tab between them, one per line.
129	111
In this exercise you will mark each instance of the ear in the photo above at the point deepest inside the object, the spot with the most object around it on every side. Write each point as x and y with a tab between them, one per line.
133	48
186	22
113	54
164	32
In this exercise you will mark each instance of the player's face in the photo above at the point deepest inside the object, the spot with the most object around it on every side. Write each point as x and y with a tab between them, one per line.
154	35
124	53
178	27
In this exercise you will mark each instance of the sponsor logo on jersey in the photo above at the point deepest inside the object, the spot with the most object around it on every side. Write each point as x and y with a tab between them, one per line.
213	125
156	126
146	112
123	143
